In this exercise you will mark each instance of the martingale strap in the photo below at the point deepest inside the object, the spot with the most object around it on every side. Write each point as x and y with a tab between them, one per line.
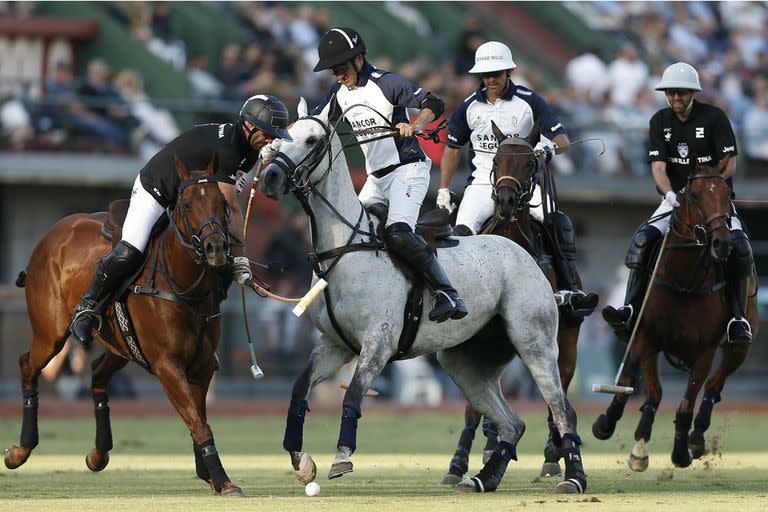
129	335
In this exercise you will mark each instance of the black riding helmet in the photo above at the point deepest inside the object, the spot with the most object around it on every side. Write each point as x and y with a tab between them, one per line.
266	113
337	46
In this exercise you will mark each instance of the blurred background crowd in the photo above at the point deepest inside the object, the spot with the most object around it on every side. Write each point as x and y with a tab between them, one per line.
175	64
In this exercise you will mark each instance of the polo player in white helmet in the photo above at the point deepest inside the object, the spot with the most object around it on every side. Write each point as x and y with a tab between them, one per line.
515	110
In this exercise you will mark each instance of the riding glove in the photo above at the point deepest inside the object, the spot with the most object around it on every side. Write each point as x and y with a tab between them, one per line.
269	151
547	147
444	199
671	199
241	267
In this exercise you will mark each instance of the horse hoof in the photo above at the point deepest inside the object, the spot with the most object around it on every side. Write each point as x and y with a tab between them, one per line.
550	469
307	470
637	463
684	461
570	486
697	445
468	485
230	490
339	468
601	429
450	479
15	456
96	460
487	456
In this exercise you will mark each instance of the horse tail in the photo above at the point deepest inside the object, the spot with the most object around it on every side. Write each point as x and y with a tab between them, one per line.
22	279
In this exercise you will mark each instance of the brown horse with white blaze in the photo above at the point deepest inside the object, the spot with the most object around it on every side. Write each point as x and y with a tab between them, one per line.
176	318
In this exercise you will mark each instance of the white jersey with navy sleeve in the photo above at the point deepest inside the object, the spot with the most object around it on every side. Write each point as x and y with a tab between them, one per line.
515	113
390	95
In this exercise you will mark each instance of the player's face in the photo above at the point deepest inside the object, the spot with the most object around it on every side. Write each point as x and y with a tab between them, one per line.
679	99
495	82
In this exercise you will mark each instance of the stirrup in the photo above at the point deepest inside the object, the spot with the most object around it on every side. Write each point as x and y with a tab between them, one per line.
457	309
740	340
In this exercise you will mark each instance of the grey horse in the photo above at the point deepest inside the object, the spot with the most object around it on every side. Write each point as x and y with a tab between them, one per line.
503	288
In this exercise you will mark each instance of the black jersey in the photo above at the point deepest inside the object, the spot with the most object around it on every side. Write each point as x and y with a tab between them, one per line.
706	135
195	147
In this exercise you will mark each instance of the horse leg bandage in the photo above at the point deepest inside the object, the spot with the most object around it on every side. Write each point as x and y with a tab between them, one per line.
293	440
213	463
200	468
348	432
29	435
489	478
103	426
574	469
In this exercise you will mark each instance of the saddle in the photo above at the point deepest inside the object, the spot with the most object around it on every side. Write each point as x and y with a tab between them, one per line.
434	226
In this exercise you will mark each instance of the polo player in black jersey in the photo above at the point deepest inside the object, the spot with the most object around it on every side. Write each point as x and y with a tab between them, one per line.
687	129
262	120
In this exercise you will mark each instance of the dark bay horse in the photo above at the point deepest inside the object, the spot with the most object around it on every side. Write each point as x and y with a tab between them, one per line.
514	175
685	318
177	323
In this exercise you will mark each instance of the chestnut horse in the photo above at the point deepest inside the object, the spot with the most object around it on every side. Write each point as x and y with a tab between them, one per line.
685	318
515	173
176	316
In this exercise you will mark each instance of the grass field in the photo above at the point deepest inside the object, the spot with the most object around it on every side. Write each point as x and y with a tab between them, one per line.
400	460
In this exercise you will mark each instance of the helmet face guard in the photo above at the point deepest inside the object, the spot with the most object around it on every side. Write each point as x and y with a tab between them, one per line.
337	46
266	113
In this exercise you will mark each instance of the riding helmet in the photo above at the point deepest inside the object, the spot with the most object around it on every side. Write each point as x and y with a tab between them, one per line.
268	114
337	46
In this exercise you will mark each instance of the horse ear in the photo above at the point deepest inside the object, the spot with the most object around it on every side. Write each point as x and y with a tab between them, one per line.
302	109
181	169
497	132
213	166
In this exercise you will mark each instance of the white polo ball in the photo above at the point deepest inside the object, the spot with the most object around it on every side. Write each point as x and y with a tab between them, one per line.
312	489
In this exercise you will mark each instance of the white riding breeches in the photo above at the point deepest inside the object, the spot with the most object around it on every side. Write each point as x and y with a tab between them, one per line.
662	224
477	206
403	190
143	213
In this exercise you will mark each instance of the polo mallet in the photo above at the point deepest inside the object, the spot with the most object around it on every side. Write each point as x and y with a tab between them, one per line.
255	370
627	390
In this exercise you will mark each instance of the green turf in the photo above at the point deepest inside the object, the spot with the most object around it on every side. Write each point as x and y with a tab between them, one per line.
398	466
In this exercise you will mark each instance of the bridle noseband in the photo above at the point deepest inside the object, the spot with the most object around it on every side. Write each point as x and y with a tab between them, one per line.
523	190
211	226
297	175
701	232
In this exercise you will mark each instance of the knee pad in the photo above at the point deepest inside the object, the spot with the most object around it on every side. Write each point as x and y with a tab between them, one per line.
563	231
120	262
642	242
740	260
407	245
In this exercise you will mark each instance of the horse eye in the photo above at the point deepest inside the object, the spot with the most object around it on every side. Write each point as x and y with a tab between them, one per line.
311	141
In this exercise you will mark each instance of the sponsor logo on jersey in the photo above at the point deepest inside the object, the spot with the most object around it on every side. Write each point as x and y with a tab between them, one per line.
221	130
682	149
704	159
555	128
700	132
727	149
681	161
363	123
653	153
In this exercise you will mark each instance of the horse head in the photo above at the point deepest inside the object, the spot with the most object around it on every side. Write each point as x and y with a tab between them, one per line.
513	174
200	217
295	166
705	210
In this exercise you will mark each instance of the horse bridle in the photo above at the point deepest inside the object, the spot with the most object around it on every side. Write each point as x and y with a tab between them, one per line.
525	188
701	233
195	245
297	175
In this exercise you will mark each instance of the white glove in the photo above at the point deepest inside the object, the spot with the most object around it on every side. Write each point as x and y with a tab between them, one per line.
671	199
269	151
546	147
444	199
240	182
242	269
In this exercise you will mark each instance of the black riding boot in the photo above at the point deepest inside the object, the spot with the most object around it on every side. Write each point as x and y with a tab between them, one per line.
567	278
622	319
412	250
739	271
111	270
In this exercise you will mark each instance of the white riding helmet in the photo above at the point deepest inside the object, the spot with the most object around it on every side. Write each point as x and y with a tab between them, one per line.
679	76
493	56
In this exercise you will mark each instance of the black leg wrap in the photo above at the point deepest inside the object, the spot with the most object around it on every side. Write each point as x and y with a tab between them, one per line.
705	412
460	461
348	433
645	425
29	436
103	426
293	440
489	478
213	463
200	468
616	408
574	468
